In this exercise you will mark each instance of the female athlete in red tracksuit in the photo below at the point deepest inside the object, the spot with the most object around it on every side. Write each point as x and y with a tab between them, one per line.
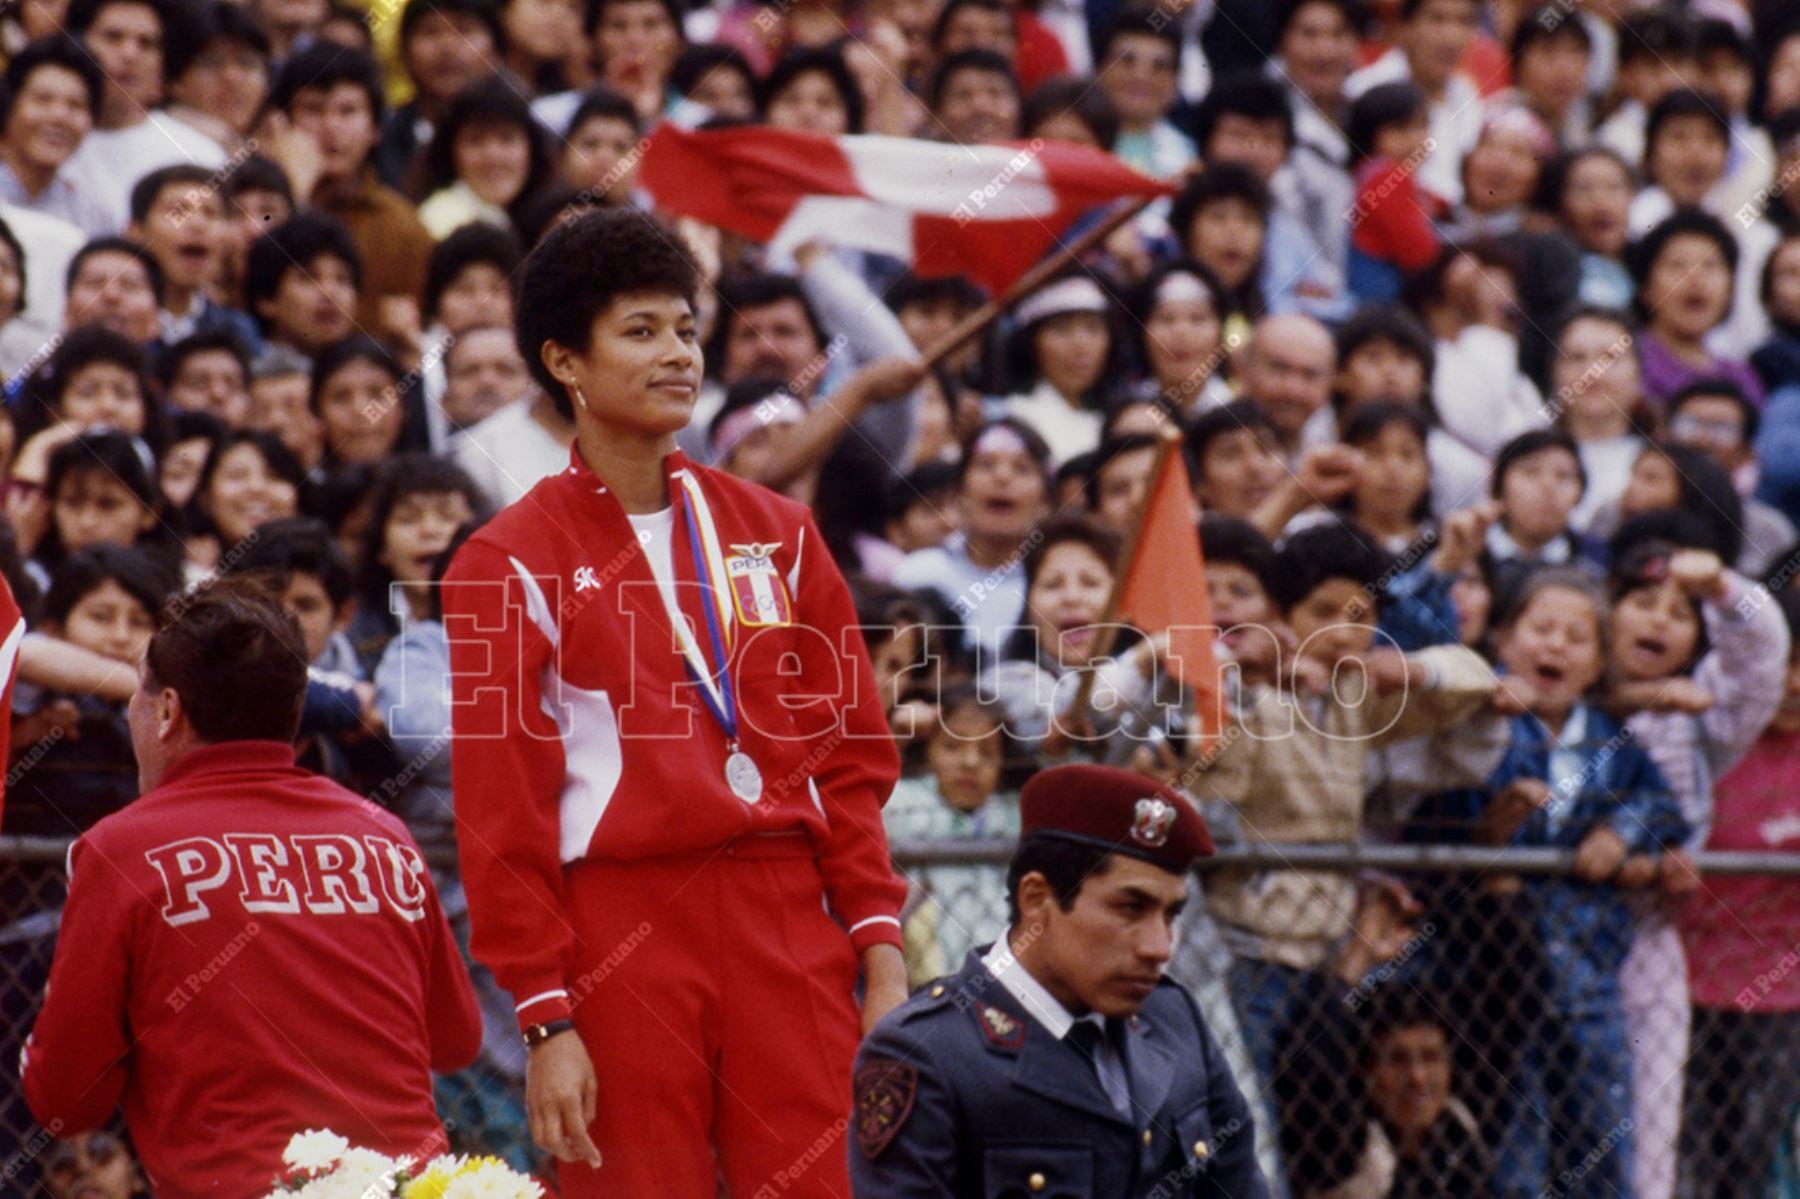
688	862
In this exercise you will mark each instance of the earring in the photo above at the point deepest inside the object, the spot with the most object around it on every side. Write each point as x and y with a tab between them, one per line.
580	397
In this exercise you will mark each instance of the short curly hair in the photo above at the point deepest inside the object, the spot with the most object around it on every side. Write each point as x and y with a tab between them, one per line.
580	268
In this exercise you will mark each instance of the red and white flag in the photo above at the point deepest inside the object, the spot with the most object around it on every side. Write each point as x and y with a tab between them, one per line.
988	212
12	635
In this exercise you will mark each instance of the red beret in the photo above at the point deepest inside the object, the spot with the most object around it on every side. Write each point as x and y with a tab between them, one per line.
1120	810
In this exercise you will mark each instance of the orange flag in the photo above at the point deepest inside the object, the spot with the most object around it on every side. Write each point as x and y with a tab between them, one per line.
1163	589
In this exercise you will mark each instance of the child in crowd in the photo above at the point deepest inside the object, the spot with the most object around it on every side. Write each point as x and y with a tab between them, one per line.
1683	268
1391	234
1237	462
1221	219
363	400
1392	496
1538	480
101	493
1597	397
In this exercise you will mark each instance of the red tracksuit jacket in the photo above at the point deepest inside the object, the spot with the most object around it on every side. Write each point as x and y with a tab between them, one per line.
249	950
579	733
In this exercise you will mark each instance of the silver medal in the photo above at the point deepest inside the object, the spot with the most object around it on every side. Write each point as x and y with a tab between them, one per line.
743	776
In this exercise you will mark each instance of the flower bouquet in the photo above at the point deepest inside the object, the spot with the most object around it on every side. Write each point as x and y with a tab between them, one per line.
323	1165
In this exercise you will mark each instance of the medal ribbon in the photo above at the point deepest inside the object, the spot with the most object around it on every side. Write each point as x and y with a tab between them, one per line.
715	689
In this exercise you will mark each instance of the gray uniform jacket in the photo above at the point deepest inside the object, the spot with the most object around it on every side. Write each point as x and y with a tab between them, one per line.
959	1092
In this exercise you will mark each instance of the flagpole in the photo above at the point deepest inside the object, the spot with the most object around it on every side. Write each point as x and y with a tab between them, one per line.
1109	623
976	322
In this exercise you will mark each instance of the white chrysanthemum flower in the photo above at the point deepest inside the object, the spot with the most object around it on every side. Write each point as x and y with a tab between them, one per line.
314	1149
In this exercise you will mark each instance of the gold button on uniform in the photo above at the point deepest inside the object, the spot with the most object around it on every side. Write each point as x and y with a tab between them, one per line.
1202	1150
1037	1182
937	992
1146	1138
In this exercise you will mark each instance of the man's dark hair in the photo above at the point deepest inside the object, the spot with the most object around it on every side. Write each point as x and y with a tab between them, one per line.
919	486
324	65
236	658
601	101
295	245
974	59
117	245
57	50
1139	20
1718	387
1535	441
579	269
299	545
1401	1008
593	10
1355	14
806	60
1554	180
1065	865
1079	98
358	347
941	27
1216	422
484	11
1391	323
1231	539
171	360
701	59
477	243
739	294
1684	102
83	13
1250	94
1382	105
1110	450
1411	8
1218	181
257	174
1315	556
1641	255
83	347
1656	33
146	576
145	191
1547	23
220	21
951	289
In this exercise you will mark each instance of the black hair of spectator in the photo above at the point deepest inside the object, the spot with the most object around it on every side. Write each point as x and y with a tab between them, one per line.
493	100
1426	288
1776	26
1399	1009
358	347
83	13
1788	600
845	504
1381	106
1641	255
11	240
1230	539
579	269
1553	180
397	479
61	51
1368	421
1661	34
910	289
1036	448
295	245
1216	422
975	59
355	17
1718	387
1138	20
1076	97
739	294
108	453
477	243
1535	441
1546	23
594	10
25	590
925	483
208	25
485	11
1705	490
341	495
745	393
257	173
146	191
1249	94
601	102
808	61
118	245
174	357
1076	468
236	658
1218	181
148	577
187	424
1354	12
1395	324
1411	8
1109	451
1765	286
83	347
1644	562
1145	395
323	66
556	203
299	545
440	565
1063	863
1713	34
275	455
1141	302
1684	102
700	59
1323	553
1021	357
940	28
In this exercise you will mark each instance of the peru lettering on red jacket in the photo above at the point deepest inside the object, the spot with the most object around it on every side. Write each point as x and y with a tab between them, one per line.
580	731
331	874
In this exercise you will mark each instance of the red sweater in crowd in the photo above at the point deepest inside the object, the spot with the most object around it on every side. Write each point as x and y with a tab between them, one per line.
248	951
580	734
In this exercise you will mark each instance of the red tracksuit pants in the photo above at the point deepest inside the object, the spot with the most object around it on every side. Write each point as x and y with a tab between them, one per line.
715	996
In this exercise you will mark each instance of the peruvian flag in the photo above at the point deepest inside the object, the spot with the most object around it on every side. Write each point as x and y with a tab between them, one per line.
989	212
12	635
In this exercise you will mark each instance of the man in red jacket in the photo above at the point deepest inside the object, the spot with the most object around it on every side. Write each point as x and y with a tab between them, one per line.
670	762
248	950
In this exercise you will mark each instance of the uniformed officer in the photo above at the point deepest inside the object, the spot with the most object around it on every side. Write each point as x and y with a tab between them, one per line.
1059	1063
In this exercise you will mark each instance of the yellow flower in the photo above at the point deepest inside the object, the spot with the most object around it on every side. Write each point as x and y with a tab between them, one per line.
429	1185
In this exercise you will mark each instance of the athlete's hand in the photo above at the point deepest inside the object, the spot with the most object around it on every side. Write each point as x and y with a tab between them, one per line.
560	1098
884	983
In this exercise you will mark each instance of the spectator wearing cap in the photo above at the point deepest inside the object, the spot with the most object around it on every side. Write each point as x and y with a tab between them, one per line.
1060	355
1059	1060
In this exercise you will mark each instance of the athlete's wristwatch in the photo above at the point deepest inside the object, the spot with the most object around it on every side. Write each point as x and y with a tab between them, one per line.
537	1034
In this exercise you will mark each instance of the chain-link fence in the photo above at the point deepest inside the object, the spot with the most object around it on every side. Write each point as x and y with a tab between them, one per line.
1406	1020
